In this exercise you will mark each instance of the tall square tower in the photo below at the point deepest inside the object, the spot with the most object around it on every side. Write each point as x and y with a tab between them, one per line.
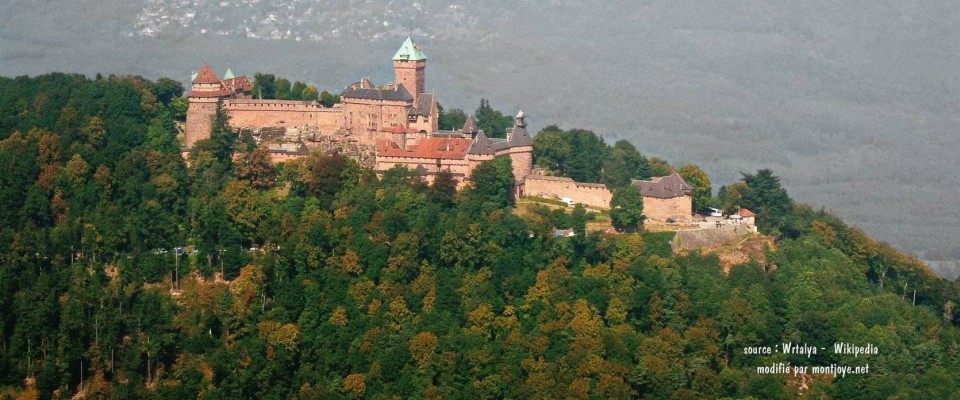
409	64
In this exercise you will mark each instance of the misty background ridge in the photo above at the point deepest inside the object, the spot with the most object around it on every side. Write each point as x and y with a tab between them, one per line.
856	105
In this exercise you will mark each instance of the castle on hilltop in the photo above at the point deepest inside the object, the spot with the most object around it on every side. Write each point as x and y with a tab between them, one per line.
396	124
397	121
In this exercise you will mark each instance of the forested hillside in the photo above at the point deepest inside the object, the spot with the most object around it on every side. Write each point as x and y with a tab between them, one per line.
317	279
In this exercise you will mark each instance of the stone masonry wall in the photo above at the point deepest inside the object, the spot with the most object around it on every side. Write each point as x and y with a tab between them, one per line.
661	209
700	238
590	194
521	158
598	196
252	113
199	121
366	119
411	75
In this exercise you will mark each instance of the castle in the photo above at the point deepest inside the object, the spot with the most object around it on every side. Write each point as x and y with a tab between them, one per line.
397	120
397	123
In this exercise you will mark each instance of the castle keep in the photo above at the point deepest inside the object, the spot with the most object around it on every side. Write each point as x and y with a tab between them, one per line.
398	121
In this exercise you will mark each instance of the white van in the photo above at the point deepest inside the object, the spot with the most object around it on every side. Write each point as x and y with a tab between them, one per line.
568	201
712	212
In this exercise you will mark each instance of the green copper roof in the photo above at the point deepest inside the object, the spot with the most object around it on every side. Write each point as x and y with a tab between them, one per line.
228	74
193	76
409	52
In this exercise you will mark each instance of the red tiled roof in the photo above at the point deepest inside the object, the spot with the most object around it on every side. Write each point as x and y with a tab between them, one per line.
746	213
239	83
397	129
443	148
206	75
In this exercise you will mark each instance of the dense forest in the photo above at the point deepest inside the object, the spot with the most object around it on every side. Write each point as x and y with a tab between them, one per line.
318	279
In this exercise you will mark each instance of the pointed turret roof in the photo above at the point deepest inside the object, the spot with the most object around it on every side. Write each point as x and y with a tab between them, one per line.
470	127
206	75
518	135
228	74
481	145
409	52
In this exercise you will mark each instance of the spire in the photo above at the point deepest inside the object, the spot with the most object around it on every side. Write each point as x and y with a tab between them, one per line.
521	122
409	52
228	74
518	136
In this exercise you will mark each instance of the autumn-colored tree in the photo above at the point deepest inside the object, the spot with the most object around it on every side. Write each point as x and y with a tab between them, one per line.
257	168
324	175
422	347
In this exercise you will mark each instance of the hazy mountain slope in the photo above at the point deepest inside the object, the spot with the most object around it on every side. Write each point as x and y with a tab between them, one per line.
855	104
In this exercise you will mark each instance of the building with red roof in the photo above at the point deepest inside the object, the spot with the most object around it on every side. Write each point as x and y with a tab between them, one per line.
399	119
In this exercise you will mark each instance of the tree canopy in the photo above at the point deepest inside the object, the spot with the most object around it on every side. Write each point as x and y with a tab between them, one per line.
319	279
626	208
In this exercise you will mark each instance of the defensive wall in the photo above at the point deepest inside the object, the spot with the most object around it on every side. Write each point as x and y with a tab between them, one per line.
594	195
287	113
700	238
661	209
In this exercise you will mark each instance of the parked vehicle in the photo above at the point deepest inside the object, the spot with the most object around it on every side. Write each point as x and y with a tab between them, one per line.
712	212
568	201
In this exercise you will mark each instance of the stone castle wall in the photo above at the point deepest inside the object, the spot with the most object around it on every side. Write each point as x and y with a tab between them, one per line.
521	158
431	165
199	121
590	194
286	113
661	209
700	238
597	195
367	118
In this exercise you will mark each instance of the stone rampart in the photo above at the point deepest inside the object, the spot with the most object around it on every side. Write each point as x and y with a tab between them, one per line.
287	113
594	195
700	238
678	208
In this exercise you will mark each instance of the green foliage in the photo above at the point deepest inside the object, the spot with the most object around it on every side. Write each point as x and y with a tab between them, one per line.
623	165
492	122
166	89
659	167
766	198
491	183
162	135
222	138
452	120
367	287
582	155
626	208
702	191
264	86
269	86
328	100
324	175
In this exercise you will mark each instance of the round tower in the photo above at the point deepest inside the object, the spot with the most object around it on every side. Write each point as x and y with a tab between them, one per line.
409	64
205	92
521	149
